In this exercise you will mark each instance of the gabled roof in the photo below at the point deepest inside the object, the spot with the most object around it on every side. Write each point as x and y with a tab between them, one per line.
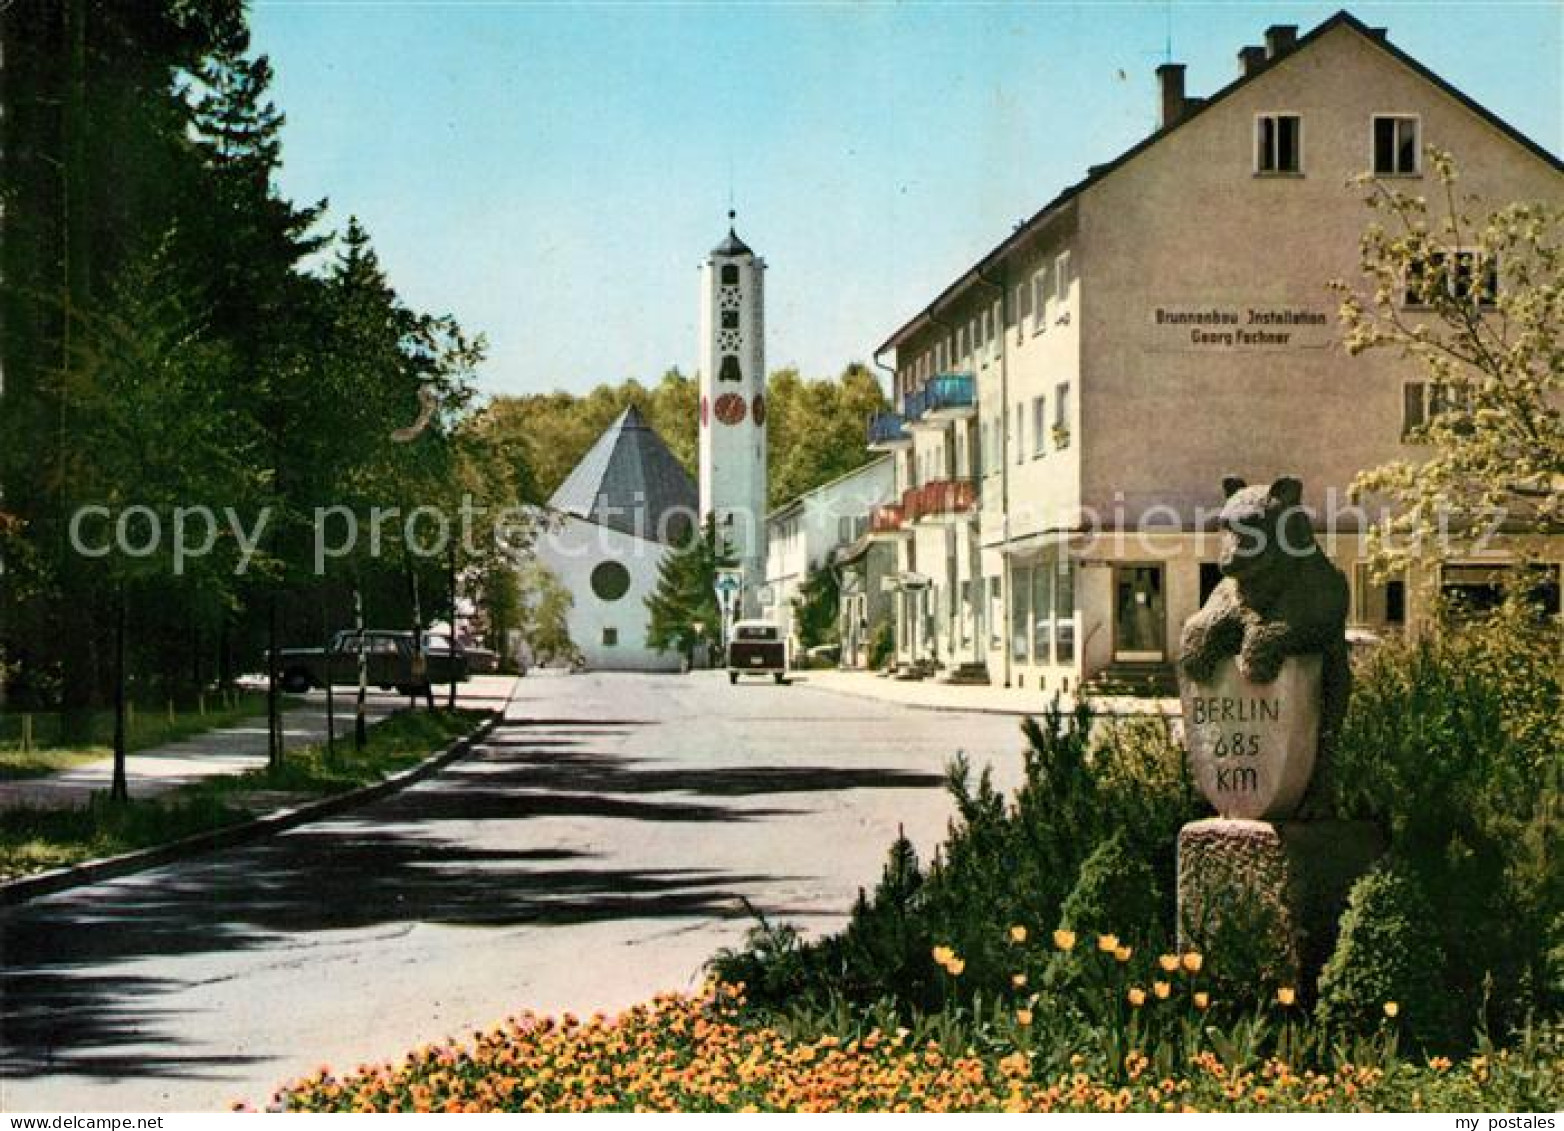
1193	109
630	481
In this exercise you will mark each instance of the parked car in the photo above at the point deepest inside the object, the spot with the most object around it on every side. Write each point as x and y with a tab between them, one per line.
390	659
756	647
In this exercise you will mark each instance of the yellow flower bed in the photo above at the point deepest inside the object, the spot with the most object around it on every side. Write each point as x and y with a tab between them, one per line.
683	1053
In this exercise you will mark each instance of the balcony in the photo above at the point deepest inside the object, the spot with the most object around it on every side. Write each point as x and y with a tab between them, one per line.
946	397
887	522
888	432
940	498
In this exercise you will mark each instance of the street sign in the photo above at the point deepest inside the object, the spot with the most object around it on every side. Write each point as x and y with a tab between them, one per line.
729	583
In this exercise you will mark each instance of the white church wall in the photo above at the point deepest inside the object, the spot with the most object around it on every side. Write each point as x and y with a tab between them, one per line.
611	633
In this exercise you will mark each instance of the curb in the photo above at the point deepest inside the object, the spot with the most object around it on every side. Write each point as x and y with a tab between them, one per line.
1153	710
25	888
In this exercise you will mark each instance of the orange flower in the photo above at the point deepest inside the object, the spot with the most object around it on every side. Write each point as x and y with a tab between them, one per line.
1193	961
1107	943
1064	940
1137	996
1023	1017
1162	990
1018	981
943	955
955	966
1123	953
1391	1009
1202	999
1018	934
1168	962
1286	995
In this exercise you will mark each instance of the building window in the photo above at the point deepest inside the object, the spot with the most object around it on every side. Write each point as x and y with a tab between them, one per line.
1026	293
1039	426
998	317
973	342
1465	277
1064	612
1376	603
1040	301
1042	615
1062	277
1414	407
730	275
1278	143
1062	415
610	581
1020	434
730	320
610	637
1396	148
1020	612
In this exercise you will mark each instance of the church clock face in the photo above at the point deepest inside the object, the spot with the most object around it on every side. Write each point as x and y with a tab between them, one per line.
730	408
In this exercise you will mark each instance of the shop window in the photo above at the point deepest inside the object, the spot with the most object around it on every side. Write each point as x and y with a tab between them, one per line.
1020	611
1396	148
1042	614
995	612
1278	143
1064	612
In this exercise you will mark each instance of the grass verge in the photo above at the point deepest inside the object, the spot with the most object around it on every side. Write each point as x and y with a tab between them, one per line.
34	839
149	727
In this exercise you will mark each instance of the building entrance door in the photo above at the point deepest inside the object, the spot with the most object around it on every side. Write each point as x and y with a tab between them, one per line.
1139	614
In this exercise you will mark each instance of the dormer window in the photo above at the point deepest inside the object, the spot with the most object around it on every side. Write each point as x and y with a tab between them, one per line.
1278	143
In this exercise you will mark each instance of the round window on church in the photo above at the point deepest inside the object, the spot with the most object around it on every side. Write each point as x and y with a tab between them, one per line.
610	581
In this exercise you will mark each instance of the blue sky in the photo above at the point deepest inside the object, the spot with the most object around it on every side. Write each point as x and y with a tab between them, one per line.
553	174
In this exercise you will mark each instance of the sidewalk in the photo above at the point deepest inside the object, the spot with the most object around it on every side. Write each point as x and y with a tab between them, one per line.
230	750
932	695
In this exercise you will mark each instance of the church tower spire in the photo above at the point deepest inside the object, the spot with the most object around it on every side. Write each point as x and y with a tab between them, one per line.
732	369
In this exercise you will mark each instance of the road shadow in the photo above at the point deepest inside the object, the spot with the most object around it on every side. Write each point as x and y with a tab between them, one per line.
435	853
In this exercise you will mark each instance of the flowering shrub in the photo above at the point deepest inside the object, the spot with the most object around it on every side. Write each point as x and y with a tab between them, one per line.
705	1053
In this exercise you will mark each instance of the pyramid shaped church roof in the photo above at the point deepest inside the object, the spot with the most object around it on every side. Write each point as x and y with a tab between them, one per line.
631	482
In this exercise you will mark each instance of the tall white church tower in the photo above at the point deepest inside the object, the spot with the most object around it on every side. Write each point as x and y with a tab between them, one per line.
733	406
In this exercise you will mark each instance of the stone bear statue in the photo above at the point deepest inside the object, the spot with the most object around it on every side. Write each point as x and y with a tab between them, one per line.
1279	596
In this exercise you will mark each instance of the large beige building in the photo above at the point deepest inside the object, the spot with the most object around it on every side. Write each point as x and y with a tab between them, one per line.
1071	403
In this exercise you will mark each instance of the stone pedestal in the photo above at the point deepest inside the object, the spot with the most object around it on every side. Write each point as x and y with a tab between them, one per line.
1275	890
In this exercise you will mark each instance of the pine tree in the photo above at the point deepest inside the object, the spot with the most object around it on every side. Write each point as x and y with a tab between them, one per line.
684	607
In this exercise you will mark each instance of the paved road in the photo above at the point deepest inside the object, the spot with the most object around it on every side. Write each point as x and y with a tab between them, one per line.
593	852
